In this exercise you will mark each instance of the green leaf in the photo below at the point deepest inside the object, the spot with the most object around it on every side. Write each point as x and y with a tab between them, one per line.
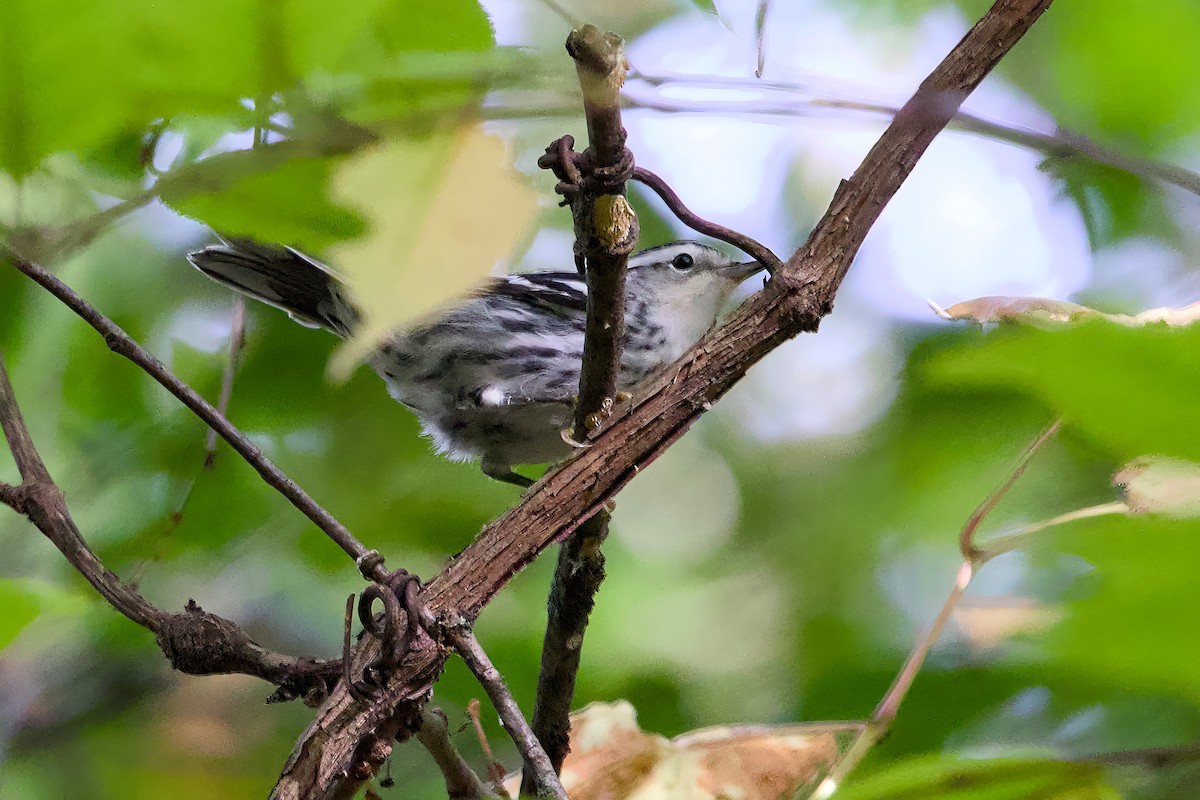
1128	624
20	605
76	75
1116	68
64	78
288	204
433	25
1131	390
941	778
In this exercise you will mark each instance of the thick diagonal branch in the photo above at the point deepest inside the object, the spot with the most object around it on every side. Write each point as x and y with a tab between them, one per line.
667	405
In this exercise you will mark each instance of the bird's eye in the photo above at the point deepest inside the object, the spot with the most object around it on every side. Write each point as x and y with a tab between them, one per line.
682	262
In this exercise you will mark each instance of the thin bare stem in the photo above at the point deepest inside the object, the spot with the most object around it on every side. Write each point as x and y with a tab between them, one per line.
884	714
966	539
1018	539
798	99
760	36
760	252
462	639
237	340
496	771
561	10
29	462
121	343
881	719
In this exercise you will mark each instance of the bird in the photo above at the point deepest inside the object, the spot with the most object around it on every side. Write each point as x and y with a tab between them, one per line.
492	376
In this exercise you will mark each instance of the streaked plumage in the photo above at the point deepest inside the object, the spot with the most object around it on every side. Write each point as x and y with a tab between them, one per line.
493	376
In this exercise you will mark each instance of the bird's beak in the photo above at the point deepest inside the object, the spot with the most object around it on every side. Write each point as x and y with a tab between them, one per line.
739	272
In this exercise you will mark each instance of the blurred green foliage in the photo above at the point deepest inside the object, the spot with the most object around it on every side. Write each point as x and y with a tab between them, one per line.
837	550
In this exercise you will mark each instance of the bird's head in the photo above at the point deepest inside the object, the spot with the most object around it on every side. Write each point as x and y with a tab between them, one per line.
687	275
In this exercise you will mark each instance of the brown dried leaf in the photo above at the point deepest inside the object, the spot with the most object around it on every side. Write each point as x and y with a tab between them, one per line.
1160	485
1041	312
612	758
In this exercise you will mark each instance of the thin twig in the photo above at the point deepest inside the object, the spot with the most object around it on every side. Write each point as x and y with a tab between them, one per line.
759	252
881	719
29	462
166	529
971	553
462	639
237	323
797	98
760	35
496	771
175	518
122	344
561	10
461	781
1017	539
1061	143
237	340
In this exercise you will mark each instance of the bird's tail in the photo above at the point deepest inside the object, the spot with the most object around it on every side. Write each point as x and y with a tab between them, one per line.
305	288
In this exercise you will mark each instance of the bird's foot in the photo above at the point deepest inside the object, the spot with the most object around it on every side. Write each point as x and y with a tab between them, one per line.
504	473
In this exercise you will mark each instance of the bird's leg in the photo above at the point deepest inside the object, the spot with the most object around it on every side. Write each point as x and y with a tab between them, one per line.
504	473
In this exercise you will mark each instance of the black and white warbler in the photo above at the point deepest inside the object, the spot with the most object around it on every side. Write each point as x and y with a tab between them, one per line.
493	376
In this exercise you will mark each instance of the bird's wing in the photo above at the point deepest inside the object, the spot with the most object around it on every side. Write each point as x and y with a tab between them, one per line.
557	292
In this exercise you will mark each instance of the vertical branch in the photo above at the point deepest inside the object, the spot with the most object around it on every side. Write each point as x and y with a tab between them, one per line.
606	228
237	340
606	231
578	574
237	323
